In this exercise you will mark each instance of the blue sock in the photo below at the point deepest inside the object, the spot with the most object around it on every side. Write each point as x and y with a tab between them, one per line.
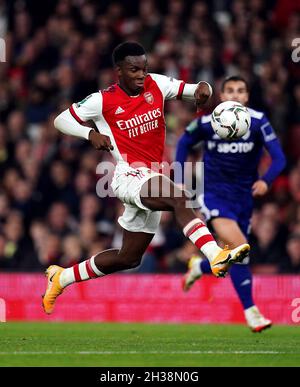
241	278
205	266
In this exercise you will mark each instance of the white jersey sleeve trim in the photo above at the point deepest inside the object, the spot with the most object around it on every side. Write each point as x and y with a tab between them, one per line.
172	88
67	124
189	91
90	108
190	88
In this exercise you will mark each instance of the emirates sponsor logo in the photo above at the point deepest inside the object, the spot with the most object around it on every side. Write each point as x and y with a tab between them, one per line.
139	119
149	97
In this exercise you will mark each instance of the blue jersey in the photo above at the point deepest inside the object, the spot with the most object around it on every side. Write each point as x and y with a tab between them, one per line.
232	165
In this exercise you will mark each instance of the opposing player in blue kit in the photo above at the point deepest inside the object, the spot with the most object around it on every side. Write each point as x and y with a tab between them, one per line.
231	182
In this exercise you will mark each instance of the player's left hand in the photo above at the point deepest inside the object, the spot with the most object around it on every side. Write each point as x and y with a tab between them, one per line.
202	94
259	188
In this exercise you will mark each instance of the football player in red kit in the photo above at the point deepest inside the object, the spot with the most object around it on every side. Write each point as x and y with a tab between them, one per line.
130	124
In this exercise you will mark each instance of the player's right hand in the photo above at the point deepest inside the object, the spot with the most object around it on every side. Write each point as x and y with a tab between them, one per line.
100	141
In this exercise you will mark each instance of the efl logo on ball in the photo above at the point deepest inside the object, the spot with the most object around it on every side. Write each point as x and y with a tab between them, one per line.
230	120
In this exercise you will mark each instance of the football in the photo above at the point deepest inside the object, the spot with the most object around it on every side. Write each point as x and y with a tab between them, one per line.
230	120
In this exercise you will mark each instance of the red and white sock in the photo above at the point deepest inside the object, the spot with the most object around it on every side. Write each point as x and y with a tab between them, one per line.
80	272
199	234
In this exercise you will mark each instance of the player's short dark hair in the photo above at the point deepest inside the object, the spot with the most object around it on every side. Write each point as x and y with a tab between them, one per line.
125	49
234	78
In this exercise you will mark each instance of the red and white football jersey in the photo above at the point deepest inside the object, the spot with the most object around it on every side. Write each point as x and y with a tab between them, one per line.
135	124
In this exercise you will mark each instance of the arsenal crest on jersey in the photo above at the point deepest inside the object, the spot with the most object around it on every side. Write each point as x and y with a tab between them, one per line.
149	97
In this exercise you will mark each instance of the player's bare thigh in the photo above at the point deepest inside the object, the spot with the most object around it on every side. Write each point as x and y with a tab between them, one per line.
229	232
160	193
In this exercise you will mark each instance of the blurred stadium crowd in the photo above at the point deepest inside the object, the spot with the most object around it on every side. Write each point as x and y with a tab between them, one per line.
58	52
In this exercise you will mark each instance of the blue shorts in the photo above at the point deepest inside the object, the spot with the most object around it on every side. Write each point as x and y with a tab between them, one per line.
223	205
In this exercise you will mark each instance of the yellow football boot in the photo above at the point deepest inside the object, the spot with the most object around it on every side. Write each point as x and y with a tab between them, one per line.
54	289
221	263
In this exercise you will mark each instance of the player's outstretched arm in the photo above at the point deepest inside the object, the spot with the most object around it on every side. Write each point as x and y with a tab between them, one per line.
67	124
175	89
71	121
273	146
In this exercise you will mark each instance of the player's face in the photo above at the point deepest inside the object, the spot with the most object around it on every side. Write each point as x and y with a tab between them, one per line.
235	91
132	73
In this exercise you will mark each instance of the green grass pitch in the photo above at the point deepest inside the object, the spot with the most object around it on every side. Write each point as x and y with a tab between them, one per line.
170	345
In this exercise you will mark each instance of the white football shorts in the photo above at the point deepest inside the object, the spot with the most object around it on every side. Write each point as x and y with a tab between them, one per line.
126	184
